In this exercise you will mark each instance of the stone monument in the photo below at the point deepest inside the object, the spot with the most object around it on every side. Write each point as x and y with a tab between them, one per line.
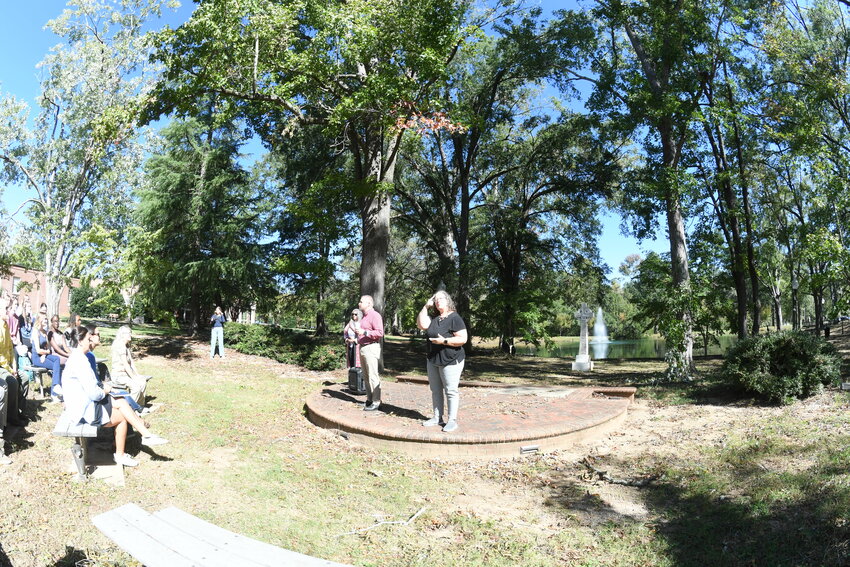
583	362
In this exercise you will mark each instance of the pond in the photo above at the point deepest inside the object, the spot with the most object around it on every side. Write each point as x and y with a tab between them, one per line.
649	347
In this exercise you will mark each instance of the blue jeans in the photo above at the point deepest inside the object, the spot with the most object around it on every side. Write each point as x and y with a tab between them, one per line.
445	380
217	336
51	362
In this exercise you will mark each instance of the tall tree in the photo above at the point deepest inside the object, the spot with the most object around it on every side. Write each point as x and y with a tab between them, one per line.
541	210
356	68
315	218
203	225
83	143
490	86
648	66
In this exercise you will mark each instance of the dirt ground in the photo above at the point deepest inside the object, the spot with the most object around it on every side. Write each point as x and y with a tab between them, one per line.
544	491
653	433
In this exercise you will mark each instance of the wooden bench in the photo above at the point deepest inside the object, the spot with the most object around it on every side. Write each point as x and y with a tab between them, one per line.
81	433
113	316
173	538
38	372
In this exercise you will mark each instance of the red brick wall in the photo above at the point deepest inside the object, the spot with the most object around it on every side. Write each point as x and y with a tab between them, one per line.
38	294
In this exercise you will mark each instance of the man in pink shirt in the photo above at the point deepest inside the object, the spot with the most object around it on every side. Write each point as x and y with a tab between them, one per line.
369	335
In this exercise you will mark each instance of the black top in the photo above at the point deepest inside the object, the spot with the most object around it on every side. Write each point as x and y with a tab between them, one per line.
443	355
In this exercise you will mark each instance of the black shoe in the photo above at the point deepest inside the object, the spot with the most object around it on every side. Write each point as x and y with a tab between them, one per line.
372	406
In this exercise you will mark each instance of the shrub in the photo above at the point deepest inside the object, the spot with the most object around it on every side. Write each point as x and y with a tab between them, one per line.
782	367
286	345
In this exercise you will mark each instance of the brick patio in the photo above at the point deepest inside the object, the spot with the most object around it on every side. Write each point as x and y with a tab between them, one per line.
495	421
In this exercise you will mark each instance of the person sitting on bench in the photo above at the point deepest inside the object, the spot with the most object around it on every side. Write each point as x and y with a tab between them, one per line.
124	373
42	358
56	338
102	372
89	401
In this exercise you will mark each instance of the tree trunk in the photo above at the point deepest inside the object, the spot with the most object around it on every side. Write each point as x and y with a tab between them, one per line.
375	216
321	324
676	231
194	312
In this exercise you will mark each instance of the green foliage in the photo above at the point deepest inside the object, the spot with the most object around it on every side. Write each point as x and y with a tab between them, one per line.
78	157
202	221
287	346
89	301
782	367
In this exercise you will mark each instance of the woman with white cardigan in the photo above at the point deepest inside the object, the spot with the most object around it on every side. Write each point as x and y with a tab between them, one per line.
87	400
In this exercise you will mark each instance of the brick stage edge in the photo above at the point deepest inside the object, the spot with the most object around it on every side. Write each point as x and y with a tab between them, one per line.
495	421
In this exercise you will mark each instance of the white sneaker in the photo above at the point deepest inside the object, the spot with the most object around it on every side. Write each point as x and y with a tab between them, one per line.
153	441
4	460
125	460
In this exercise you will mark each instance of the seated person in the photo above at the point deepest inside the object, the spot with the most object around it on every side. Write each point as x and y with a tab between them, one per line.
57	341
9	402
24	343
124	373
94	334
89	401
42	358
25	324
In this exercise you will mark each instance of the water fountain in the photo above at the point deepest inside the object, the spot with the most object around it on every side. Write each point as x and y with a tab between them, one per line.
600	341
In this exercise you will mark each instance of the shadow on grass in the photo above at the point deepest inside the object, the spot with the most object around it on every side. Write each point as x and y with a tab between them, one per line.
755	517
701	529
72	558
166	347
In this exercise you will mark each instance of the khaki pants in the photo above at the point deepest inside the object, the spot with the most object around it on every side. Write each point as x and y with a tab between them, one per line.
369	356
135	387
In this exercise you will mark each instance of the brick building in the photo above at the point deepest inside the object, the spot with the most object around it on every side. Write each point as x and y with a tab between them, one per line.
37	291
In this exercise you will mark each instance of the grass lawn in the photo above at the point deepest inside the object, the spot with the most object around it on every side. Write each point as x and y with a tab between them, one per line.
733	483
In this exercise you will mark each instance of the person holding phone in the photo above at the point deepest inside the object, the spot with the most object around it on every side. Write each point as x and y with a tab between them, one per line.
217	334
446	334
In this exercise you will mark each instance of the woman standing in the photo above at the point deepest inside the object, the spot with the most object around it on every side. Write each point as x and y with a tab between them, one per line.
87	399
352	349
446	337
217	334
41	356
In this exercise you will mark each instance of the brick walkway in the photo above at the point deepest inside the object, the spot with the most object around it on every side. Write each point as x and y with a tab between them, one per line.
494	421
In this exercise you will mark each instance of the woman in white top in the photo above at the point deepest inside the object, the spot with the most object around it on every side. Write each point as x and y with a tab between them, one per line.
87	399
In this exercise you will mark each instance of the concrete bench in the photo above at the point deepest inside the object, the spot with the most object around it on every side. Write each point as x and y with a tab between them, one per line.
81	433
113	317
38	372
173	538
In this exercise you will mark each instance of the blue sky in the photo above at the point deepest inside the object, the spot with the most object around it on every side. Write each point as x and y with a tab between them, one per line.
24	42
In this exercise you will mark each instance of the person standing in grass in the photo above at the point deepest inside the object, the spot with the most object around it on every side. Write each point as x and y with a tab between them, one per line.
369	335
217	334
88	400
446	336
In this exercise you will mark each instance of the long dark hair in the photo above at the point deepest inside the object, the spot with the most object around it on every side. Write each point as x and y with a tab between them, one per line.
76	334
